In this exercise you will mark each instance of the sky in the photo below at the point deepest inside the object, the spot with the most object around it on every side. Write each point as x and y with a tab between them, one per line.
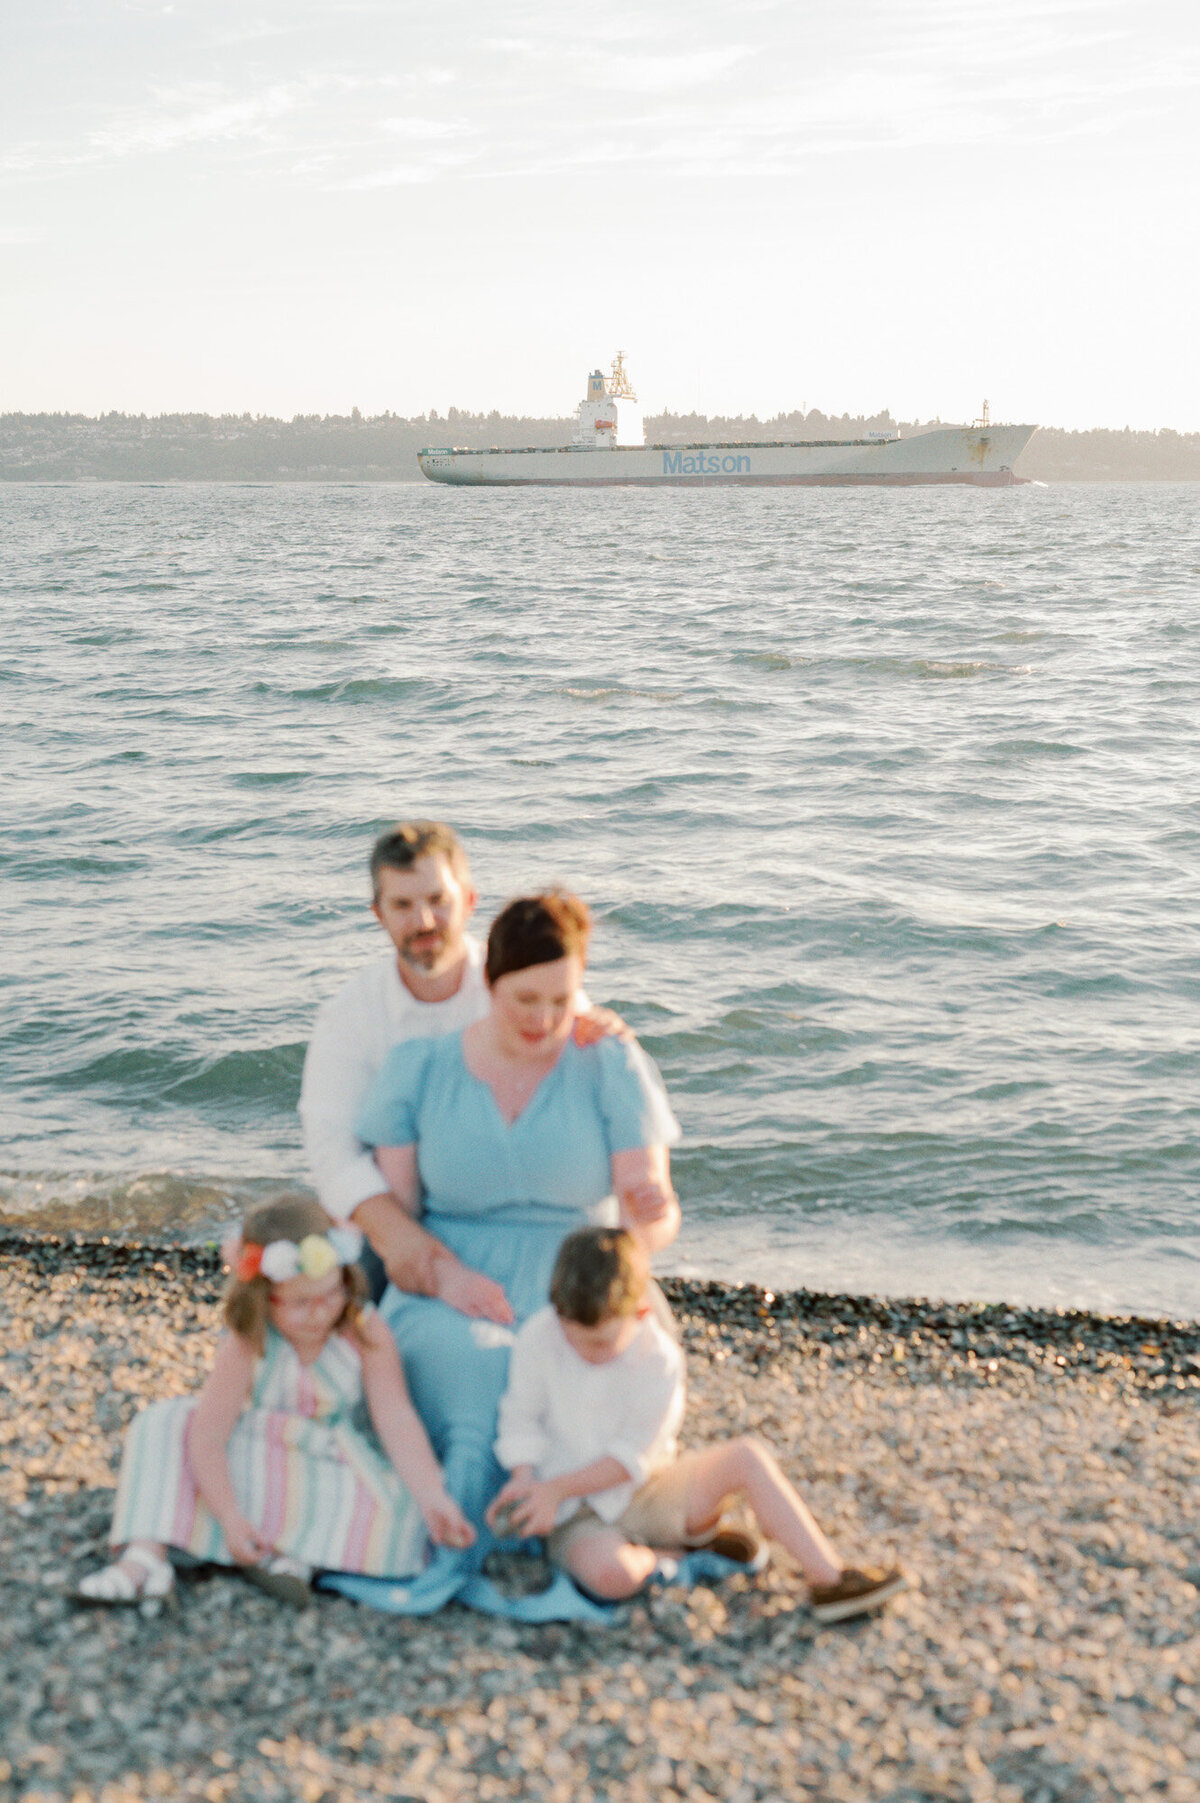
301	206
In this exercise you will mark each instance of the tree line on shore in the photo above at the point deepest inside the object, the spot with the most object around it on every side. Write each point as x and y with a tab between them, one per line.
72	447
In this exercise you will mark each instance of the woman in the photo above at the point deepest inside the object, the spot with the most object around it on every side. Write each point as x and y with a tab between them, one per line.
513	1136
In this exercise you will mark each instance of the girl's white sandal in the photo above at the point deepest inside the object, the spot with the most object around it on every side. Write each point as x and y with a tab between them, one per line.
148	1586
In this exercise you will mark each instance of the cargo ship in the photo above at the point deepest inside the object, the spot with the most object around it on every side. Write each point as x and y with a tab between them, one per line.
609	450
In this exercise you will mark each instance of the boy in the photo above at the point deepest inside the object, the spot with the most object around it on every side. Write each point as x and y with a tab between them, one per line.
587	1428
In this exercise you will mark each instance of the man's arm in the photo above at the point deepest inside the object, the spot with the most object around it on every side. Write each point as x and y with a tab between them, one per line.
408	1253
413	1258
338	1074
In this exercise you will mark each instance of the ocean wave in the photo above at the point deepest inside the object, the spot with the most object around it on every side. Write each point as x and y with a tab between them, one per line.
156	1205
245	1080
355	690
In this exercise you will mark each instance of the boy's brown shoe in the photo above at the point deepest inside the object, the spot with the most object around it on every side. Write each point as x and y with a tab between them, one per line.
738	1545
856	1592
742	1547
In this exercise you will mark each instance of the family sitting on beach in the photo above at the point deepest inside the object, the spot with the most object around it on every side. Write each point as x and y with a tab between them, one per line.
503	1148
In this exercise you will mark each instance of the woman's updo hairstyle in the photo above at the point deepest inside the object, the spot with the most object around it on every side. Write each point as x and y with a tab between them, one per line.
537	929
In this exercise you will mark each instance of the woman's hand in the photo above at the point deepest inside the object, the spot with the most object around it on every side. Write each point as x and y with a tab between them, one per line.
648	1201
526	1506
470	1292
600	1023
447	1524
245	1542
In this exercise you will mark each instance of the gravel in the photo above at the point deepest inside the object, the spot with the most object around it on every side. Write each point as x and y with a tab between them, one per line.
1036	1471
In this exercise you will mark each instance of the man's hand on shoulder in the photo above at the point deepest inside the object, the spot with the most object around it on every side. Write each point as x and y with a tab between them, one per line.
595	1024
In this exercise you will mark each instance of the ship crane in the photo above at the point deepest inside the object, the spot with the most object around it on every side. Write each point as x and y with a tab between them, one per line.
618	383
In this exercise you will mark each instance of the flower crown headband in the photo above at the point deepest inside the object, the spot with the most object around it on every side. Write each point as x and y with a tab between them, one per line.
314	1256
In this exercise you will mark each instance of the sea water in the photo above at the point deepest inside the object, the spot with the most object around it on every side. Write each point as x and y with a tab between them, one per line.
887	804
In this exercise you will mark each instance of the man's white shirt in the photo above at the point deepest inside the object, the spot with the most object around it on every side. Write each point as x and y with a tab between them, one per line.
354	1032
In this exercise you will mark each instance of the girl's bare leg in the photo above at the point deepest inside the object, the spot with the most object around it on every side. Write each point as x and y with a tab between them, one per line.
747	1468
609	1565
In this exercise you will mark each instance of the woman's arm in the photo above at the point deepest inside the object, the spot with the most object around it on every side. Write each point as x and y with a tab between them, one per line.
641	1180
220	1402
404	1438
398	1167
413	1259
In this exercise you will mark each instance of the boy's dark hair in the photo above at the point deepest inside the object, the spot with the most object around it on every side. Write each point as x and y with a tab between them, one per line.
402	844
537	929
599	1272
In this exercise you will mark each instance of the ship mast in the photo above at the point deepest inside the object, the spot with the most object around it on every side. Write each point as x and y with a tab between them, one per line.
618	382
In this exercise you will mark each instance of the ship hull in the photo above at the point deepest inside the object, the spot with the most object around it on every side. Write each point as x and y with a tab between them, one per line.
976	457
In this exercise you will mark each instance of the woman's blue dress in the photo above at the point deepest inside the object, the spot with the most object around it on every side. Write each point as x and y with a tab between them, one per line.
502	1196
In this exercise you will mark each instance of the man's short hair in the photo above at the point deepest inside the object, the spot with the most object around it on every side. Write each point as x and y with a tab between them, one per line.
600	1272
402	844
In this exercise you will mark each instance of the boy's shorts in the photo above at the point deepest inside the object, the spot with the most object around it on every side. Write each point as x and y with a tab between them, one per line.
656	1514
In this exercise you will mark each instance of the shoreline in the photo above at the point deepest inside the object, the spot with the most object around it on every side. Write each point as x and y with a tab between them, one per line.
1035	1470
746	1302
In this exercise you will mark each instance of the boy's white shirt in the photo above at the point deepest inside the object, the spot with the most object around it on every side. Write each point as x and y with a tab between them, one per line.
561	1412
353	1033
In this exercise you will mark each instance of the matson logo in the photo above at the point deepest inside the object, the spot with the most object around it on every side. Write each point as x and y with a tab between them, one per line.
677	463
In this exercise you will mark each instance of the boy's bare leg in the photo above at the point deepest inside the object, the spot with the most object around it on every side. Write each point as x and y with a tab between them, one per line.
747	1468
609	1565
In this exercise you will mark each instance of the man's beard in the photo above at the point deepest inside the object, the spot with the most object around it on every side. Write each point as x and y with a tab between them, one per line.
425	957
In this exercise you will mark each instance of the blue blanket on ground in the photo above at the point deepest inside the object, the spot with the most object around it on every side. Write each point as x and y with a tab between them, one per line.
444	1580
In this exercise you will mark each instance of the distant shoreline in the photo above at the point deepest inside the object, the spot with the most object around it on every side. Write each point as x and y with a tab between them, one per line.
195	447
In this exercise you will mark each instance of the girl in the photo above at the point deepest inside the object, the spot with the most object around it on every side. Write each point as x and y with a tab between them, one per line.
266	1469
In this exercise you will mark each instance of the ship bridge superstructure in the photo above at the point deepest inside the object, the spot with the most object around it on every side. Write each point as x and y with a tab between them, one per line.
609	415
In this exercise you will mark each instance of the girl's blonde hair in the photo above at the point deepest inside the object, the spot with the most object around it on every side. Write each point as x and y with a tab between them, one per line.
246	1299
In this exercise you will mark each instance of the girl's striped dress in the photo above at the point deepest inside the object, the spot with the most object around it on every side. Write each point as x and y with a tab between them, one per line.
303	1473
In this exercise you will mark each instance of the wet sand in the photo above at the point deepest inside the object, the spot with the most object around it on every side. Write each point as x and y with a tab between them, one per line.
1036	1472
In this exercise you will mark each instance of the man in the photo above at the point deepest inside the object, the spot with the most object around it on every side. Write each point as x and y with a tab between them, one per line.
423	898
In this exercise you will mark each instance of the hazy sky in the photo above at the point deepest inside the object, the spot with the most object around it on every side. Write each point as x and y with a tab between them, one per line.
289	206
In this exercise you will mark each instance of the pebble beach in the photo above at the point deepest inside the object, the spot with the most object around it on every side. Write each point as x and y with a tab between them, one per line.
1034	1470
